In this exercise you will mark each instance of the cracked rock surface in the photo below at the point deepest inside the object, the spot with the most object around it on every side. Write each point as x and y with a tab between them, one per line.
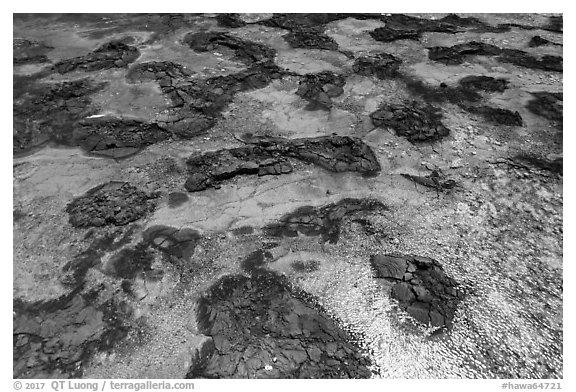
421	287
263	329
287	196
334	153
114	203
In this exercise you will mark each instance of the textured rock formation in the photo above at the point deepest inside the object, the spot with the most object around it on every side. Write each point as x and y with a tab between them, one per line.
325	221
263	329
421	287
320	88
113	203
381	65
416	121
114	54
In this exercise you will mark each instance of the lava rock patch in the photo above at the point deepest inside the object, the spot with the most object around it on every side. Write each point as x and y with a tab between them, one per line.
416	121
421	287
310	38
457	54
113	203
484	83
537	41
548	105
320	88
246	51
435	180
381	65
58	338
270	157
325	221
179	243
43	112
117	138
114	54
261	328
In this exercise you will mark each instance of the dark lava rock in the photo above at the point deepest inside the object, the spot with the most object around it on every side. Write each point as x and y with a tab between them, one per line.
523	59
310	38
114	54
261	328
435	180
166	72
270	157
416	121
29	52
325	221
386	34
246	51
475	24
43	111
230	20
256	260
196	104
320	88
485	83
456	55
421	287
497	115
399	26
56	339
308	266
180	243
113	203
117	138
548	105
300	20
382	65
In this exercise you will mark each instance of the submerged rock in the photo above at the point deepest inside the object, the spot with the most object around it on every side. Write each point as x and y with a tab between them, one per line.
421	287
418	122
382	65
113	203
320	88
